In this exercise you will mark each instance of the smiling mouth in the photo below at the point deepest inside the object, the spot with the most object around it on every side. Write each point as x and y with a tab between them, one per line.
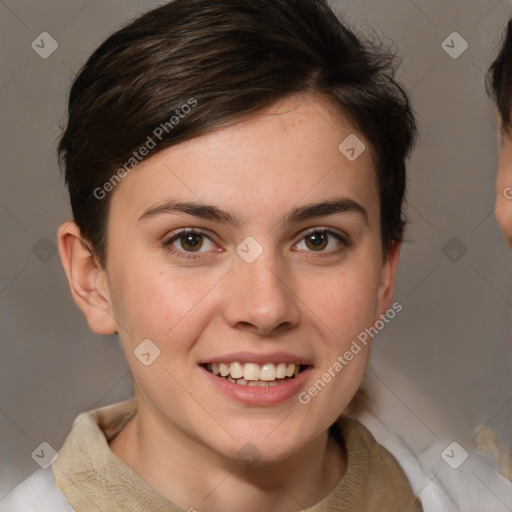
250	374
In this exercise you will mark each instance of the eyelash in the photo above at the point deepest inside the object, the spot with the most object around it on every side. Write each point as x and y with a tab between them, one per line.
345	243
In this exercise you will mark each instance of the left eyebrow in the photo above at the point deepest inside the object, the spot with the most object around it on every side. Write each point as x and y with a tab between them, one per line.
303	213
341	205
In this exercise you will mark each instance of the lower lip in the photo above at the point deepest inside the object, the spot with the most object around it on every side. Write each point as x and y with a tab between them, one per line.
259	396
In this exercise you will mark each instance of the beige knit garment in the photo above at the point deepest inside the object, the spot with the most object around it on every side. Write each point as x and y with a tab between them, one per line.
94	479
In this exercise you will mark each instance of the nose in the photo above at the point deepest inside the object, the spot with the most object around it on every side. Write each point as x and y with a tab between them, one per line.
261	297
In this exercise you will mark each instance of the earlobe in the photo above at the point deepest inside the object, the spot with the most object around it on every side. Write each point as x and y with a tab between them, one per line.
87	279
387	278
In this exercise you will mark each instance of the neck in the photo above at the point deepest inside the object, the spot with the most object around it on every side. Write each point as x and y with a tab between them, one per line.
191	475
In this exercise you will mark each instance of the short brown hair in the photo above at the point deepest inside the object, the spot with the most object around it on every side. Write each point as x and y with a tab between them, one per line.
499	78
232	58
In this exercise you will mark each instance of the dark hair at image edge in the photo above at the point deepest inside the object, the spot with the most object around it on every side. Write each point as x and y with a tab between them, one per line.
499	79
232	58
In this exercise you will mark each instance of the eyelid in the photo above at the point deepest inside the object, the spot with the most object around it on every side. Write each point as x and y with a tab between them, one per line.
344	241
170	238
325	229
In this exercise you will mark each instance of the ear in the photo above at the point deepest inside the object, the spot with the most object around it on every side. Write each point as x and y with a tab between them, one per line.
87	279
387	279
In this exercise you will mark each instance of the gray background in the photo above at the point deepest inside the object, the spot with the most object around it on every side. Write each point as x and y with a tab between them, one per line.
450	343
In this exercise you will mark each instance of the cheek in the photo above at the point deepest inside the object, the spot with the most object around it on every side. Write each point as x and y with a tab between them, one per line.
153	303
503	210
348	299
504	178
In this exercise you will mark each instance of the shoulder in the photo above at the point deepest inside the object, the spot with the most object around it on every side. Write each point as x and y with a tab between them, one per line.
434	496
371	466
38	492
362	446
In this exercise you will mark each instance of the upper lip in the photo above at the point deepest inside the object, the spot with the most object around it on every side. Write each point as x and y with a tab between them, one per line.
252	357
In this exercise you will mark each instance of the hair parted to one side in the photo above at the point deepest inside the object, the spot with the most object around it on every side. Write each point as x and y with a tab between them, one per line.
233	58
499	79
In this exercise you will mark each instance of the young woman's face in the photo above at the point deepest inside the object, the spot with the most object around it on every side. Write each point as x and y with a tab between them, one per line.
256	247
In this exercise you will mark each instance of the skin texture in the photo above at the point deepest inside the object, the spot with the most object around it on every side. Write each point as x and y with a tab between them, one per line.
503	210
294	297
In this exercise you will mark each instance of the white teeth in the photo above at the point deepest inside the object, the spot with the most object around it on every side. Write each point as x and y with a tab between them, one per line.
268	372
224	369
248	373
236	370
281	371
258	383
251	371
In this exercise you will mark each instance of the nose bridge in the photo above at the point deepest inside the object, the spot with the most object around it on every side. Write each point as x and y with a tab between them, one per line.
260	290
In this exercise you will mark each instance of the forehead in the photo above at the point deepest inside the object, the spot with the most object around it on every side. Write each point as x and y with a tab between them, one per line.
296	151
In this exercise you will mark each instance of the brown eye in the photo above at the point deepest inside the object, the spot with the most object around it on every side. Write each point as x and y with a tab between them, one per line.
191	241
317	241
324	242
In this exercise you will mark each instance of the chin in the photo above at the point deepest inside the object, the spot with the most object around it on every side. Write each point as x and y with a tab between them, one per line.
257	446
